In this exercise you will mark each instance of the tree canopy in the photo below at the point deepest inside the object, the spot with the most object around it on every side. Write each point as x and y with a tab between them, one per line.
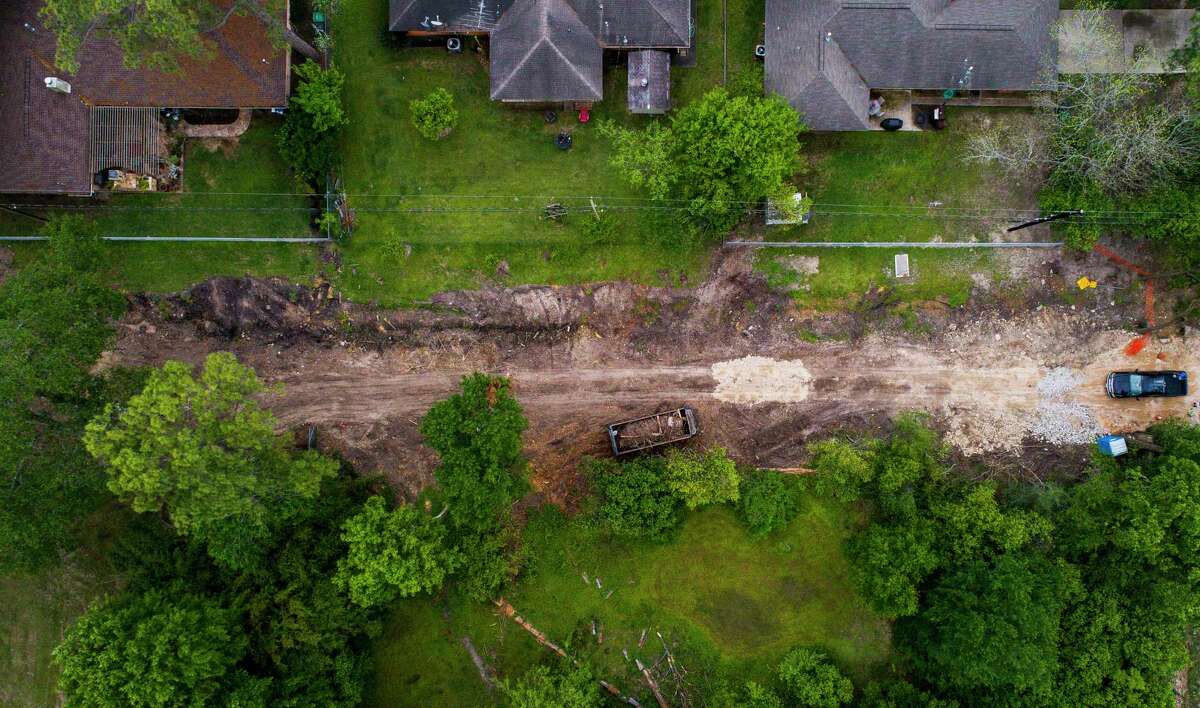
203	451
1078	596
477	435
991	629
545	687
185	630
309	137
434	114
163	647
636	502
393	554
154	35
767	502
812	681
56	316
720	155
702	478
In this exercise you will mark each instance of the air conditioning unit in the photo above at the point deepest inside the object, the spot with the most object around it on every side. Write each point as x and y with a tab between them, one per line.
56	84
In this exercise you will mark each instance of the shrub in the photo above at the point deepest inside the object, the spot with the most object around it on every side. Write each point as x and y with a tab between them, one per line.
563	687
308	140
1080	234
810	679
757	696
636	500
767	502
702	478
434	116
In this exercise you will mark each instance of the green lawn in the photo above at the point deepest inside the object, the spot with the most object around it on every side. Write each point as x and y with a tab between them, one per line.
486	183
907	186
729	605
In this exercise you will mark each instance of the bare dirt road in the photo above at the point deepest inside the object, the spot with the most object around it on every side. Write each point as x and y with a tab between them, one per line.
579	358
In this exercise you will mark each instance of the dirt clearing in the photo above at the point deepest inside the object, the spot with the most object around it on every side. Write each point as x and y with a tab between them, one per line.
582	357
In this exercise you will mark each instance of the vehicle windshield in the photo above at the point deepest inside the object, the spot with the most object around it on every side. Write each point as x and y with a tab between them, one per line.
1140	385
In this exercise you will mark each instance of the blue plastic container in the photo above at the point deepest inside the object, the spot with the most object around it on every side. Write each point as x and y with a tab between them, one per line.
1112	445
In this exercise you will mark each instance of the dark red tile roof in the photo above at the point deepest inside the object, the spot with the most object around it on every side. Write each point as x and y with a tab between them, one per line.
44	134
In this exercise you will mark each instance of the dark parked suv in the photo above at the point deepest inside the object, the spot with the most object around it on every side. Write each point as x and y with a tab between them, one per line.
1136	384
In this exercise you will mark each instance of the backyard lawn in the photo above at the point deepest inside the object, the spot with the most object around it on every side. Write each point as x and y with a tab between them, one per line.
907	186
466	210
729	605
229	191
242	189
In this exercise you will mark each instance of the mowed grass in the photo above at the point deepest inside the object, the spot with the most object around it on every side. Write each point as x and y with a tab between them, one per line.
727	604
906	186
228	191
479	193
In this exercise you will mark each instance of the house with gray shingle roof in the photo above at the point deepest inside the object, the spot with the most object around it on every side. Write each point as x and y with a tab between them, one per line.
553	51
828	57
54	141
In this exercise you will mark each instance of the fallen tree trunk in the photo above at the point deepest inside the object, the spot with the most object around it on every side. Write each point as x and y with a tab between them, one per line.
510	612
478	661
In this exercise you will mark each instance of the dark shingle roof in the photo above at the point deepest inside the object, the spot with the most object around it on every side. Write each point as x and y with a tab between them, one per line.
542	52
454	15
615	23
551	50
44	143
823	55
661	24
649	81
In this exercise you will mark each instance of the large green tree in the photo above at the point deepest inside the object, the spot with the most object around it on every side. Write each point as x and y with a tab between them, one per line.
56	316
992	629
477	435
155	34
1085	601
163	647
204	452
719	158
1133	528
392	554
308	642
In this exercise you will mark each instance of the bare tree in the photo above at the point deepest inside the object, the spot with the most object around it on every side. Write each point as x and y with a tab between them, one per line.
1118	129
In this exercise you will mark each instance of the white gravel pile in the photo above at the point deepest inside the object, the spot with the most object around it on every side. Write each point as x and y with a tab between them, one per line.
1059	421
1058	382
757	379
